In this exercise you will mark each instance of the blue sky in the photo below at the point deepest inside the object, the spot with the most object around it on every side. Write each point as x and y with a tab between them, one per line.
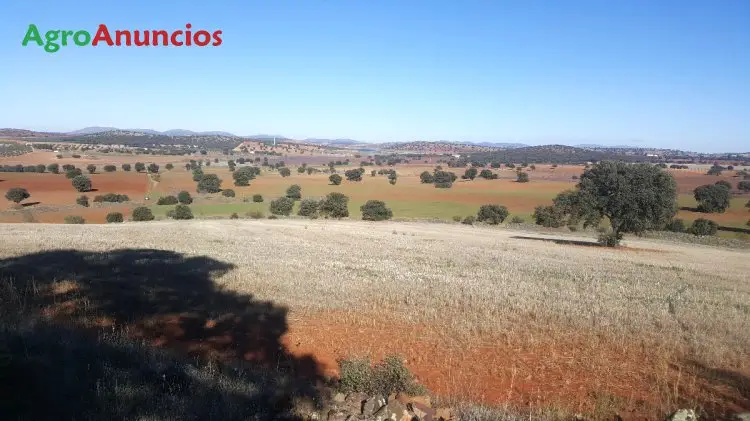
662	73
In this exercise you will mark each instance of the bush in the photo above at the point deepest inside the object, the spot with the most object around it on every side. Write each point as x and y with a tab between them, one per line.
142	213
81	183
73	173
167	200
257	198
114	217
470	174
91	168
469	220
182	212
53	168
354	174
234	216
184	198
712	198
308	207
702	226
486	174
335	205
444	179
17	194
111	198
456	218
549	216
385	378
517	220
522	177
74	220
676	225
243	176
724	183
227	193
492	214
75	155
256	214
126	167
426	177
83	200
169	166
153	168
744	186
609	239
285	172
282	206
335	179
294	192
140	166
209	183
197	174
375	210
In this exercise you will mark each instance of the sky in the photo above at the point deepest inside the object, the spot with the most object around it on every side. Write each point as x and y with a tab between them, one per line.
657	73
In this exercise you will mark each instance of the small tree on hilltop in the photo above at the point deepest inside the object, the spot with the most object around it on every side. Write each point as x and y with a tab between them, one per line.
140	166
209	183
81	183
141	214
282	206
83	200
308	207
153	168
294	192
126	167
375	210
522	177
712	198
184	197
492	214
335	205
91	168
335	179
17	194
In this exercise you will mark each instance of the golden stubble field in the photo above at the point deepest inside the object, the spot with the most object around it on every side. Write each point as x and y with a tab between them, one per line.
488	315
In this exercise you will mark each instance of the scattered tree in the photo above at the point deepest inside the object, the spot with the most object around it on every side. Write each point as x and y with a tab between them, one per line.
83	200
181	212
354	174
111	198
126	167
702	226
282	206
294	192
70	219
308	207
375	210
444	179
209	183
715	170
91	168
142	213
197	174
140	166
53	168
257	198
81	183
73	173
335	205
110	168
469	220
114	217
426	177
153	168
723	183
492	214
167	200
744	186
17	194
522	177
470	174
712	198
335	179
676	225
184	197
228	193
285	172
549	216
169	166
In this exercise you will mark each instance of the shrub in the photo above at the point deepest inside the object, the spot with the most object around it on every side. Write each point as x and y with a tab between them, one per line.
335	205
91	168
282	206
469	220
142	213
712	198
676	225
385	378
549	216
457	218
517	220
75	155
153	168
227	193
111	198
53	168
308	207
470	174
702	226
169	166
294	192
209	183
724	183
110	168
335	179
257	198
114	217
426	177
243	176
167	200
285	172
375	210
83	200
715	170
70	219
73	173
126	167
522	177
17	194
492	214
486	174
197	174
273	217
255	214
609	238
81	183
444	179
182	212
140	166
744	186
354	174
184	198
234	216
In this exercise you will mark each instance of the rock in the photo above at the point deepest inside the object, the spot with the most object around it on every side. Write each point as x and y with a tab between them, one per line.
353	402
334	415
393	410
683	415
423	412
743	416
339	398
407	399
371	405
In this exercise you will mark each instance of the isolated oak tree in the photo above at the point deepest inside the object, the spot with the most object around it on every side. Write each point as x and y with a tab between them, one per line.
712	198
153	168
184	197
470	174
492	214
209	183
335	179
81	183
375	210
17	194
335	205
140	166
126	167
91	168
634	197
426	177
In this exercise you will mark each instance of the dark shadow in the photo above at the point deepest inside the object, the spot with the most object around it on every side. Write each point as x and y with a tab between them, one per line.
689	209
559	241
729	390
734	229
91	191
26	205
93	353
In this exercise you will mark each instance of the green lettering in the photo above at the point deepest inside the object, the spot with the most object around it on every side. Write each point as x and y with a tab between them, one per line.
81	42
51	46
32	34
65	36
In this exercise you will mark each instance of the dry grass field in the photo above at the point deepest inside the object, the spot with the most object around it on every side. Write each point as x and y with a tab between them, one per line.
487	315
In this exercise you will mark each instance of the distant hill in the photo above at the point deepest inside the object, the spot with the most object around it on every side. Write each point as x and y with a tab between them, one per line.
555	154
439	147
339	142
16	133
173	132
502	145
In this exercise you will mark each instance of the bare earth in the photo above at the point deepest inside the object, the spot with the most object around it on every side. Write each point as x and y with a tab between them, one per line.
490	315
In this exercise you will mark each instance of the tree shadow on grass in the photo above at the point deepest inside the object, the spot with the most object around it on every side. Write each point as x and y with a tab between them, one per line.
730	388
559	241
85	344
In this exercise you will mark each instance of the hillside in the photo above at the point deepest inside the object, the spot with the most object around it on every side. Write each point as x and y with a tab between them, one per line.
432	148
21	133
555	154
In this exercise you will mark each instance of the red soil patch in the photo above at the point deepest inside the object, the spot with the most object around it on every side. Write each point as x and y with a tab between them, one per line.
98	159
688	180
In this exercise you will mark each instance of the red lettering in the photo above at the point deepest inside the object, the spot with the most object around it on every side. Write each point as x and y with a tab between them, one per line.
102	34
217	38
137	39
173	38
119	35
188	35
202	34
164	35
